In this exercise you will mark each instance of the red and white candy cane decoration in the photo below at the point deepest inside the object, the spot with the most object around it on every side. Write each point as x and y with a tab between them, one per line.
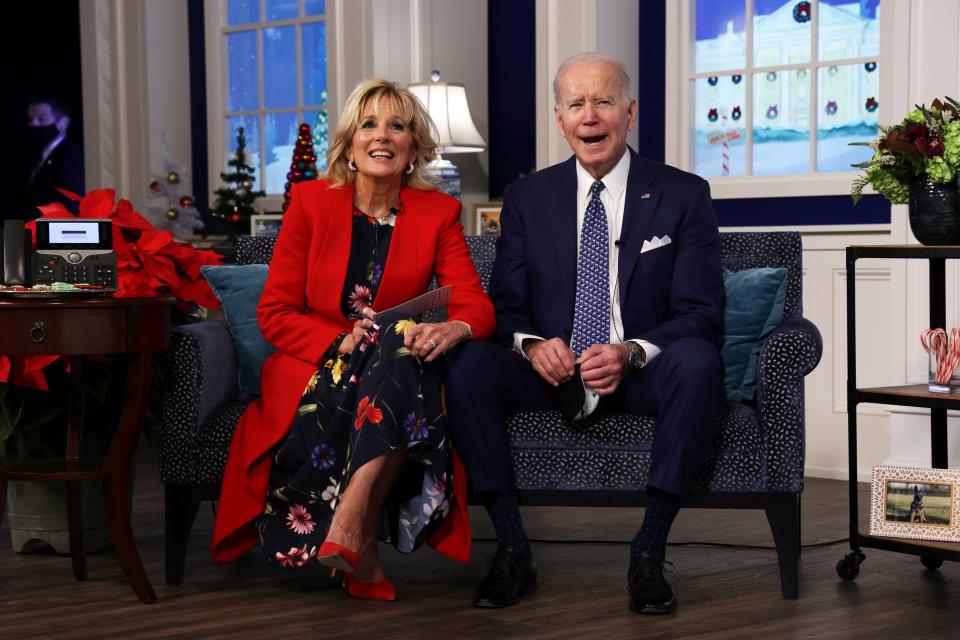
726	146
947	352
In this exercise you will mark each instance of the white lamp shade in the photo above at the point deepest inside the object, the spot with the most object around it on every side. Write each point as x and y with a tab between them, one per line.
447	105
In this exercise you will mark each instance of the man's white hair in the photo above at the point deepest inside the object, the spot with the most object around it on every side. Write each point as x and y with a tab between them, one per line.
593	57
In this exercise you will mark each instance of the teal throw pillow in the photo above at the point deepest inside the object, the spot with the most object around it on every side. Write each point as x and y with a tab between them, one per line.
755	299
238	287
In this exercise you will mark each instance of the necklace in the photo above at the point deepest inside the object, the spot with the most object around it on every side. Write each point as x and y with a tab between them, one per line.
391	211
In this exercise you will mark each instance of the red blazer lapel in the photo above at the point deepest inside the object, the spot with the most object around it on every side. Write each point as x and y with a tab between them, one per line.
331	254
407	270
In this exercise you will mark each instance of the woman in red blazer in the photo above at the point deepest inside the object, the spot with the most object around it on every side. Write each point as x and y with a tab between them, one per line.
350	410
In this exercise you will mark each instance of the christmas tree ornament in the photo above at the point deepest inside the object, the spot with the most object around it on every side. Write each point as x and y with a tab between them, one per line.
235	199
170	206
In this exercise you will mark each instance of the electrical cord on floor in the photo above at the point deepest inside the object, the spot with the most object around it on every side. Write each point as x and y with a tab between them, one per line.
692	543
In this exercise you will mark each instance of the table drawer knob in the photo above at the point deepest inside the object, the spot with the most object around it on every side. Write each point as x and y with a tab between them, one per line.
39	331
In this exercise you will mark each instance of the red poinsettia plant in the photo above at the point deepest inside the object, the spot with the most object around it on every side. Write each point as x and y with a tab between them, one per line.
149	263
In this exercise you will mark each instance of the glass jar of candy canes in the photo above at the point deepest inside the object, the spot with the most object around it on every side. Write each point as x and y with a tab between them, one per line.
944	355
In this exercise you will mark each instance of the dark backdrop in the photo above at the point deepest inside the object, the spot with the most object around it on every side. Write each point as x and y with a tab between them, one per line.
39	55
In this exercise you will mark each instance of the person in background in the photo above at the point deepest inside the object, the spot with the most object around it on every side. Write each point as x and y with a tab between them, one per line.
51	159
351	417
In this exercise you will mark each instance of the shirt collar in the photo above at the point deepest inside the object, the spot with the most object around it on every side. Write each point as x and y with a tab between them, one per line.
614	182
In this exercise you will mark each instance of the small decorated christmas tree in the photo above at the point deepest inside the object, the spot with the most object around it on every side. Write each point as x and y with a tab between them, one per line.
321	136
234	204
304	164
170	204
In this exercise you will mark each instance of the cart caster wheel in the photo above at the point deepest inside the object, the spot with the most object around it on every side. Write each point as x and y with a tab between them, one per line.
930	562
849	567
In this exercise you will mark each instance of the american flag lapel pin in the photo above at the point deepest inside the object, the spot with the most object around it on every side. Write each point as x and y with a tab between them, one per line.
645	196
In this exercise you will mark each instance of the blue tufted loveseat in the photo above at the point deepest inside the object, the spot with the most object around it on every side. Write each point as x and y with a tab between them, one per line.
755	462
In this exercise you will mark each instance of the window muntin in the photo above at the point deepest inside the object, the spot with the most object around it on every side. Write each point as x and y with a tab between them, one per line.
803	111
274	78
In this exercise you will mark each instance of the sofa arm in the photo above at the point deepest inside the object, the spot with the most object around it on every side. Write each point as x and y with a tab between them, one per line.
790	352
201	367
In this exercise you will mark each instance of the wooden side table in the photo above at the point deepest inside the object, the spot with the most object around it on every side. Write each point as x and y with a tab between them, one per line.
76	327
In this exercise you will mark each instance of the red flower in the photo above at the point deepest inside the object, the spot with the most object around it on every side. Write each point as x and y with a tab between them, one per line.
149	263
366	412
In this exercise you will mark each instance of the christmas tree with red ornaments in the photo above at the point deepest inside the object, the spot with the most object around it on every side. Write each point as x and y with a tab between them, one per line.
304	165
234	204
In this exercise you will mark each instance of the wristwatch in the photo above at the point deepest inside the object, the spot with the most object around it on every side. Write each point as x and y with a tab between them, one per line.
637	356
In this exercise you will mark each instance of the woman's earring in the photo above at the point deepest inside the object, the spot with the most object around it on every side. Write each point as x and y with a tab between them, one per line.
411	167
351	165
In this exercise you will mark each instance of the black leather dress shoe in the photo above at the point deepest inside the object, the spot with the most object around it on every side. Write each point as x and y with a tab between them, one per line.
511	575
649	590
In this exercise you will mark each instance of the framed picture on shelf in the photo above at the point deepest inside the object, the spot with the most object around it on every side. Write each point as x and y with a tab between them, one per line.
265	225
909	502
486	218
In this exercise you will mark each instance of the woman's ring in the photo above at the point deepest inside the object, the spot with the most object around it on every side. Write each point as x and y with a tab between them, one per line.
433	345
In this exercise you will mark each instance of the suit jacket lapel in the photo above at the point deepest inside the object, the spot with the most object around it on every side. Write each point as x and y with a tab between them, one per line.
561	219
639	210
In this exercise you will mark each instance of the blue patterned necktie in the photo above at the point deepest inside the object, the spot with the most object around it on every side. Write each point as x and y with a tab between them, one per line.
591	316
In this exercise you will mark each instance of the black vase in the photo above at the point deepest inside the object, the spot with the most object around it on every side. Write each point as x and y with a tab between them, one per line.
934	212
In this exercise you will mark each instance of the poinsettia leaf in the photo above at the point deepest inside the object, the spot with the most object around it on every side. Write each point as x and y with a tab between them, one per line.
69	194
97	203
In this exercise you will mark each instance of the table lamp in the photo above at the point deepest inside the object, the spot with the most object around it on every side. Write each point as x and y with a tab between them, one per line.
446	102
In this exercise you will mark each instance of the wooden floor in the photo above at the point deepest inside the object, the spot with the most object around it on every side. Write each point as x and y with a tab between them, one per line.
724	593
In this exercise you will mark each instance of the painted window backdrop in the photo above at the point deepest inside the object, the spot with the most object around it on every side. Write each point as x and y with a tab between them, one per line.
782	86
276	78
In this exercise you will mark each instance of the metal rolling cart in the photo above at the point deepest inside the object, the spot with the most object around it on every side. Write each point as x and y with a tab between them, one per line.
932	553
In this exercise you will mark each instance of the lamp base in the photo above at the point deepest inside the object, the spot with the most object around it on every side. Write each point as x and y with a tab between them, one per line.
446	176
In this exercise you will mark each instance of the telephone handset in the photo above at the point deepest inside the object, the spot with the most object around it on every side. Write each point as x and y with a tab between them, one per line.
16	266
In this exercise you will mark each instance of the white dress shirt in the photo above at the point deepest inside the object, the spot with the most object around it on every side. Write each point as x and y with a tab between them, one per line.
613	197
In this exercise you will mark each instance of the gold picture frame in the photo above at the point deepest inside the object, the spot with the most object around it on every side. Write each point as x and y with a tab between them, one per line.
486	218
912	502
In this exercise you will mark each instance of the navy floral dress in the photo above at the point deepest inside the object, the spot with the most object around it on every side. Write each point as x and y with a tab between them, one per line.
355	408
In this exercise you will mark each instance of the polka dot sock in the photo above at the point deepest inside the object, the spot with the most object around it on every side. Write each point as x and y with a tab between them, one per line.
505	514
662	508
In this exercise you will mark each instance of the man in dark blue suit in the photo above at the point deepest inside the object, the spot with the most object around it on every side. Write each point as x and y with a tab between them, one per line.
607	287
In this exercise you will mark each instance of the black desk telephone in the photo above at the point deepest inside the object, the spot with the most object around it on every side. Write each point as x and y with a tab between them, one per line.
71	250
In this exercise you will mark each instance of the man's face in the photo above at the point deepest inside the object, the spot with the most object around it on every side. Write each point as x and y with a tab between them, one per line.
41	114
593	115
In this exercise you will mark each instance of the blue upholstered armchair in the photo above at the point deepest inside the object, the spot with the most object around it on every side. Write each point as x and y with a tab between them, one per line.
756	461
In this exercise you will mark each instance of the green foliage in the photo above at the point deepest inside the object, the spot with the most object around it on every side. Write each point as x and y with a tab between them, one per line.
235	199
925	144
33	423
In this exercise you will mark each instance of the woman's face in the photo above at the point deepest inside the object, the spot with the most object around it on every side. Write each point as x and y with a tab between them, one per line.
382	146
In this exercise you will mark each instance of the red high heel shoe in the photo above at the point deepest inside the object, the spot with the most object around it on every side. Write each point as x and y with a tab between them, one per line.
383	590
333	555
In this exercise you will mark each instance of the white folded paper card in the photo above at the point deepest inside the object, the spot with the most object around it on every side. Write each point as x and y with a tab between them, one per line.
419	305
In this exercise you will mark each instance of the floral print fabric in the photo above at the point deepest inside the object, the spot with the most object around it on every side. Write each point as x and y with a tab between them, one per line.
356	408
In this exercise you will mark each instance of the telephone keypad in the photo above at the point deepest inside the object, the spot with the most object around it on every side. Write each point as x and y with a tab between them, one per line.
98	270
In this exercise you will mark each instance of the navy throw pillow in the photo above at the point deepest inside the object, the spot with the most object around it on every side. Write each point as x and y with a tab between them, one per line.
238	287
755	299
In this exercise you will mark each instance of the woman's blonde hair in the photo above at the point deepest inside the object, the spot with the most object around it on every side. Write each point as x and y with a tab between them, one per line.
414	116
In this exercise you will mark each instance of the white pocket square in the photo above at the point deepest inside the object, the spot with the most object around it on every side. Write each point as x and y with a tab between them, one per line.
655	243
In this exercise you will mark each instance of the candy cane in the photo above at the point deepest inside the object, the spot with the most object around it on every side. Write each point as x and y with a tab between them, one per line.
726	146
946	352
